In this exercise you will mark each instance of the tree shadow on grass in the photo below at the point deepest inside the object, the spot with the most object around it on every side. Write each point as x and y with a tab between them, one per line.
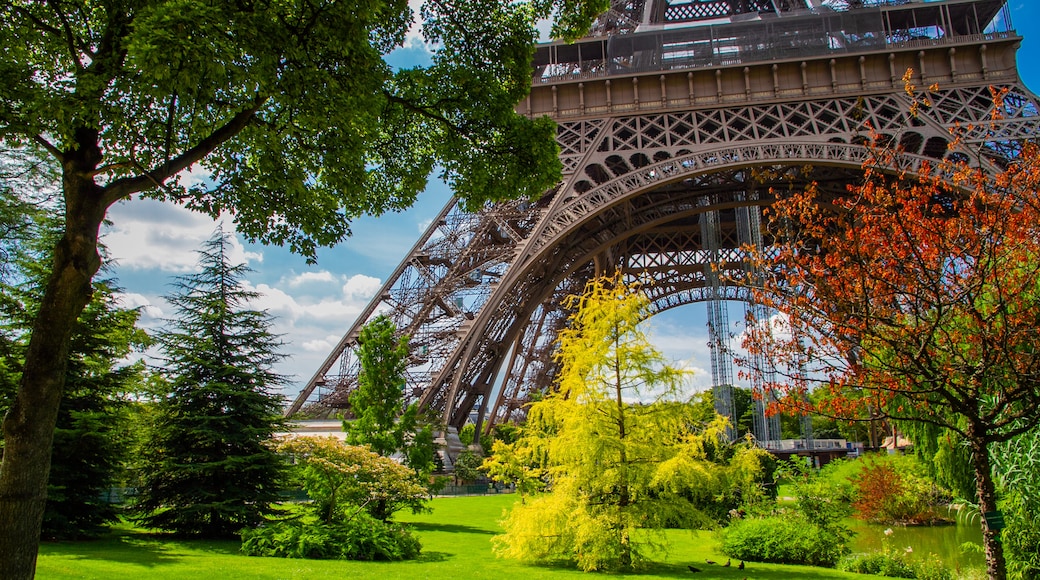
450	528
122	548
704	571
430	558
143	548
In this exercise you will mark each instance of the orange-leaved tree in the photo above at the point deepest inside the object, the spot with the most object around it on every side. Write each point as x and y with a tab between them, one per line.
916	294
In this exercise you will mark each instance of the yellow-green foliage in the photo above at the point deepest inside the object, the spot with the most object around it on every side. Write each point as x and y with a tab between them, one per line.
513	464
615	444
334	474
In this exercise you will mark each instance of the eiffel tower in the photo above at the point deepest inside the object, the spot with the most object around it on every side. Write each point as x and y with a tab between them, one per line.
675	119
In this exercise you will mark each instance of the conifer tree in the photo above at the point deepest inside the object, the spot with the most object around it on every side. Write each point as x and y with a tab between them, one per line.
614	442
92	427
209	466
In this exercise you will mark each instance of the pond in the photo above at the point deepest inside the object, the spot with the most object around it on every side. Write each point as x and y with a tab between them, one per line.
944	541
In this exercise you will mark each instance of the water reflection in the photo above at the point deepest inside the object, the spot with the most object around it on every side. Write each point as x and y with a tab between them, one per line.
944	541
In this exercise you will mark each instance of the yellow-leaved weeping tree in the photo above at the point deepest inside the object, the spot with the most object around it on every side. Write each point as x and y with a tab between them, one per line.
618	448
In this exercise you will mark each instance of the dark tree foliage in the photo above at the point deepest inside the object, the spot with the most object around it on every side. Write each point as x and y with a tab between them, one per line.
26	185
293	110
209	467
91	438
467	467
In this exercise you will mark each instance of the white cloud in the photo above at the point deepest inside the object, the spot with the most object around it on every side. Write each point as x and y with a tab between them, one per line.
544	28
194	175
149	311
321	345
306	278
299	318
363	287
276	302
149	234
414	38
330	311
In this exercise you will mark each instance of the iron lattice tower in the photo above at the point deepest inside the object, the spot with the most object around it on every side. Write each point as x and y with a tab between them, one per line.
675	119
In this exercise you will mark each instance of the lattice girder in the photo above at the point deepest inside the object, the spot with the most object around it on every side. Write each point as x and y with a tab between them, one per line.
480	293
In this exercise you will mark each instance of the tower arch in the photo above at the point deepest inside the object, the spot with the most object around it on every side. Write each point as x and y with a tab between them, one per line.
675	118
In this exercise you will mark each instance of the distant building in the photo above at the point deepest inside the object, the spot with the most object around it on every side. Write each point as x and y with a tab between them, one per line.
315	428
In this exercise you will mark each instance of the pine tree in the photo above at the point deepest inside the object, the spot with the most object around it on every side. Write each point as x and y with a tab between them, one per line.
209	466
92	427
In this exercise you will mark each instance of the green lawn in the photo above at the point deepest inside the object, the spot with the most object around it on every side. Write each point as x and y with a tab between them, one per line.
456	546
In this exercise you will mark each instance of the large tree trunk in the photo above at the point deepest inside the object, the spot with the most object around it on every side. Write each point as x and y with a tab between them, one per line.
996	567
29	424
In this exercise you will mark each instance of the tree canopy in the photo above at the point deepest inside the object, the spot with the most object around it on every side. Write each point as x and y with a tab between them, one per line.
916	294
289	107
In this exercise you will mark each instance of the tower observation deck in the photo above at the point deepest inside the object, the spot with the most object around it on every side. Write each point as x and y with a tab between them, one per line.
668	112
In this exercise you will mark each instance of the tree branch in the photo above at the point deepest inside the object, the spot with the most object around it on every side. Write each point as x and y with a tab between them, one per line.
70	38
423	111
122	188
39	140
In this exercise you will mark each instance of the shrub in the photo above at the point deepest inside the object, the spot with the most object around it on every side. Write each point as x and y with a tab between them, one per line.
879	564
1021	539
896	565
785	540
360	538
895	489
337	476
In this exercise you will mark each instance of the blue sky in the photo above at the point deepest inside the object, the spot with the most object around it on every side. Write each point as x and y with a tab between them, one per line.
313	305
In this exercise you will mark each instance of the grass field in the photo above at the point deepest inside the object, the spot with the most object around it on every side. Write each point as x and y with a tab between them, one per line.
456	546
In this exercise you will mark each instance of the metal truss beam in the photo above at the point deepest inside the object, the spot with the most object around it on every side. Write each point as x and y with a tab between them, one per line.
663	175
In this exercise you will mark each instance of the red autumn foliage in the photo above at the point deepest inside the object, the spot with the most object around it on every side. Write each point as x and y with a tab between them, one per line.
876	487
915	294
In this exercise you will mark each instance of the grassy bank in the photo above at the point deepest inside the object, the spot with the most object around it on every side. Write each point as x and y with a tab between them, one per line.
456	546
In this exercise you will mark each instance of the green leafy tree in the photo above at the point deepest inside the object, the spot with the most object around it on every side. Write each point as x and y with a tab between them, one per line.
210	467
511	464
467	434
467	466
378	401
381	420
704	409
342	479
601	447
92	431
289	106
